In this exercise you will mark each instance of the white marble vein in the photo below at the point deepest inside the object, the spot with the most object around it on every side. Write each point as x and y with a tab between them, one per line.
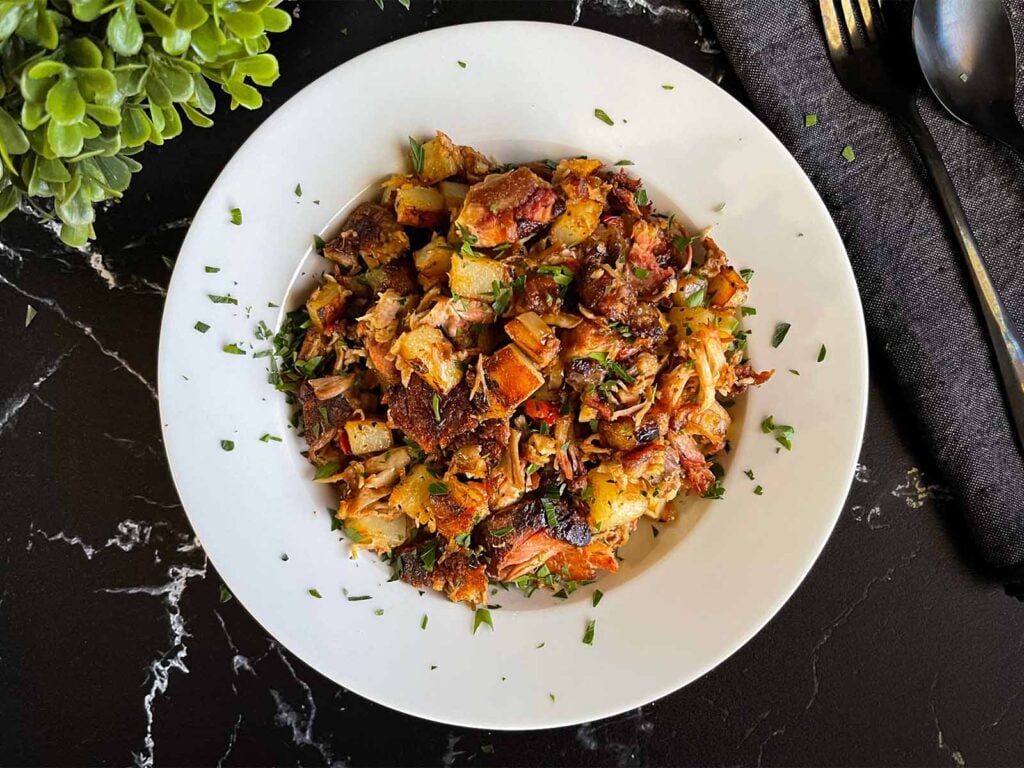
160	669
301	725
843	617
86	330
450	753
130	534
11	406
771	736
940	739
136	284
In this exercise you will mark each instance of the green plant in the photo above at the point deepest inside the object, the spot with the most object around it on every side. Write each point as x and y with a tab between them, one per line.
86	84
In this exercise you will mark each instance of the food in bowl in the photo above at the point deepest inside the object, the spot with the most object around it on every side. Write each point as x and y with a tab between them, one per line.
506	367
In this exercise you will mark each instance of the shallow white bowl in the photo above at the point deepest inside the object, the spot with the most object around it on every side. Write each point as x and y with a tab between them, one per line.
682	602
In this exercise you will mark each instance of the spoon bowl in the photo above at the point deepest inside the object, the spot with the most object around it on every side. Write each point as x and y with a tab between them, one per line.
966	52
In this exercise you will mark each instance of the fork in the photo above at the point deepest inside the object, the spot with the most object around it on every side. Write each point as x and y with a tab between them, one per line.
879	73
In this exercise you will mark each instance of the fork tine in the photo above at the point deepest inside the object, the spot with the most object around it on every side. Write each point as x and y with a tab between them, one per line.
857	41
833	35
868	13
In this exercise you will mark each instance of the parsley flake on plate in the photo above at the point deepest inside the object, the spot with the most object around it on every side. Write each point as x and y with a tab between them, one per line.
588	633
781	329
227	445
601	115
596	597
236	216
201	326
315	593
482	616
821	353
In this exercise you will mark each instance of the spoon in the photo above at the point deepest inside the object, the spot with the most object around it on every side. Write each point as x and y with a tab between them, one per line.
965	48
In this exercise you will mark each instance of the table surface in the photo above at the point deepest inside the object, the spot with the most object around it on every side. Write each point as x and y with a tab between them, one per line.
114	647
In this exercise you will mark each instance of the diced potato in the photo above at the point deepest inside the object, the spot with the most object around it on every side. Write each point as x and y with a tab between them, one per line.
511	379
433	261
326	303
475	165
454	194
367	436
412	495
377	533
507	207
534	337
617	498
576	166
428	352
458	510
421	207
475	276
577	223
441	159
727	289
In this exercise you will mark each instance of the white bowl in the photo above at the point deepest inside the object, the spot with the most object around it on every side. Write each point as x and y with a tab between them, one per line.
682	602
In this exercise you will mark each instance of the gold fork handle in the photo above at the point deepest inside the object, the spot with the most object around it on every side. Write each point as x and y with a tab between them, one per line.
1006	343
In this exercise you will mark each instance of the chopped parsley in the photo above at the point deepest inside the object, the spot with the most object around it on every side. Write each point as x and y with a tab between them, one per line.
749	473
461	64
284	557
211	270
505	530
745	311
655	531
758	490
810	120
358	598
225	594
781	329
379	612
298	190
487	749
588	634
236	216
821	353
222	299
719	208
199	326
227	445
596	597
552	697
327	470
315	593
438	489
482	616
668	87
423	621
746	274
435	404
416	153
601	115
550	514
233	349
696	299
624	162
267	437
562	275
30	314
429	556
318	243
849	154
640	273
783	433
502	293
641	197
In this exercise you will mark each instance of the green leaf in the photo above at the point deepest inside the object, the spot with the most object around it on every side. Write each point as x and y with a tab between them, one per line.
10	18
87	10
13	140
65	140
848	154
188	14
315	593
482	616
225	595
243	94
115	172
588	633
243	24
202	95
781	329
124	33
275	20
74	235
135	127
263	69
177	82
101	83
207	41
46	29
601	115
103	115
64	102
83	52
52	171
10	196
46	68
157	19
416	153
172	120
196	117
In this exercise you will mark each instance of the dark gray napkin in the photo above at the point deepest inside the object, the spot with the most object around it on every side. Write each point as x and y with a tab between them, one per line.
920	308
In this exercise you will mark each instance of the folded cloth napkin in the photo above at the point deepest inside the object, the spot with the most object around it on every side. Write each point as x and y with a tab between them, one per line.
920	308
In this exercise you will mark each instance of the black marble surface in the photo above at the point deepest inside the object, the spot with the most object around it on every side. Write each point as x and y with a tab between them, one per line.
115	649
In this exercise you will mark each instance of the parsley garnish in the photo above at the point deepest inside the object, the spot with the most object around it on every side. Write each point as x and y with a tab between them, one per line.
601	115
435	404
298	190
438	489
596	598
849	154
266	438
379	612
416	153
482	616
749	473
745	311
30	314
227	445
655	531
423	621
326	470
502	293
746	274
233	349
624	162
429	556
810	120
640	273
696	299
461	64
550	513
236	216
781	329
562	275
641	197
211	270
758	490
505	530
201	326
222	299
668	87
821	353
588	634
358	598
315	593
318	243
225	594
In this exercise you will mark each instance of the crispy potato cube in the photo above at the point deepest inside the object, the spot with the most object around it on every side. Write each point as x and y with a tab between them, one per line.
421	207
412	494
427	352
474	277
617	498
727	289
577	223
507	207
454	194
377	533
458	510
368	436
534	337
433	261
326	303
441	159
511	379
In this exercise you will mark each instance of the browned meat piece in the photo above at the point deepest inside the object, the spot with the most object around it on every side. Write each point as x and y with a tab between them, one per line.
650	252
411	409
540	294
518	539
746	377
607	294
507	207
454	573
492	437
624	189
371	233
398	276
645	324
320	415
377	330
583	373
697	476
623	435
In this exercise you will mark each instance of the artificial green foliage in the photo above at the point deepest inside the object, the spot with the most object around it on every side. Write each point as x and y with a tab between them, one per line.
87	84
